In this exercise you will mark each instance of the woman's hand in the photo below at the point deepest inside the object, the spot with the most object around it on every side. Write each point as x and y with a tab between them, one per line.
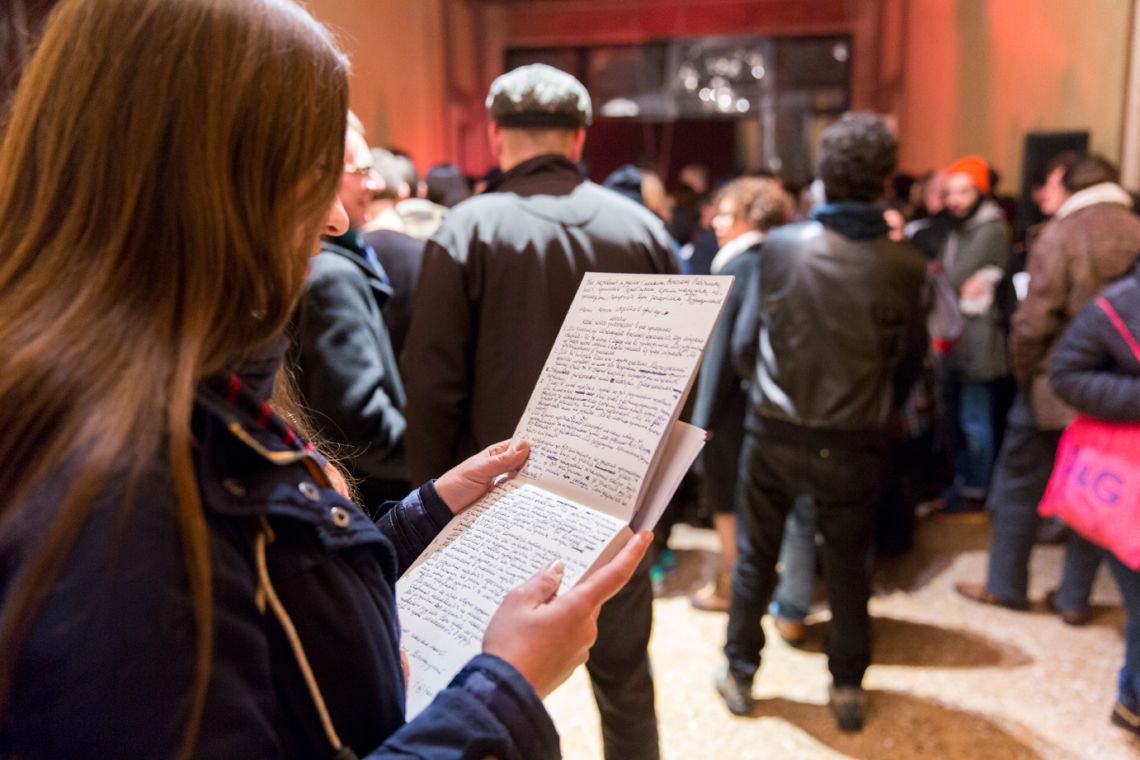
463	484
545	637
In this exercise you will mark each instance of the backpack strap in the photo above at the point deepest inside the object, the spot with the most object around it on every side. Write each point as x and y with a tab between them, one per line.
1110	312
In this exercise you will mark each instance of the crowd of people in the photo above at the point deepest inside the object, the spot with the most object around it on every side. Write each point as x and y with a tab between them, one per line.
253	365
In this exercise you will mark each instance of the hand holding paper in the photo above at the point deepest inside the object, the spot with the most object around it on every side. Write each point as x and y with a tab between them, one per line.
545	636
463	484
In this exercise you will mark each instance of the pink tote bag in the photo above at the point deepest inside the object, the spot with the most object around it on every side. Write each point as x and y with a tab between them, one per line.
1095	485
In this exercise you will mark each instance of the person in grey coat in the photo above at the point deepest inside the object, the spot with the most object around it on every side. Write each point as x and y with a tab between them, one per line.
975	256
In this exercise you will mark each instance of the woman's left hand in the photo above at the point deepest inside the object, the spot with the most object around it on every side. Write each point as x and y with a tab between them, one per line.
463	484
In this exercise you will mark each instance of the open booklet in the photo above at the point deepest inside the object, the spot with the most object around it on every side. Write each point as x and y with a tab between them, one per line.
607	454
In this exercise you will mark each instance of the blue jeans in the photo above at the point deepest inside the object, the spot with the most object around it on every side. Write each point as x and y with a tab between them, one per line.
1020	479
974	454
1129	583
792	600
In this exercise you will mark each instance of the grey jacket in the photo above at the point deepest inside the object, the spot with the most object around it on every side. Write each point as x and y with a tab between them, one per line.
981	241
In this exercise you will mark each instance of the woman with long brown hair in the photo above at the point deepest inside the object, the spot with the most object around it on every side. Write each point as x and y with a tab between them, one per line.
177	575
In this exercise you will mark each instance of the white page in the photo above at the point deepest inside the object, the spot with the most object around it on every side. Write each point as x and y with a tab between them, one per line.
678	453
447	598
614	382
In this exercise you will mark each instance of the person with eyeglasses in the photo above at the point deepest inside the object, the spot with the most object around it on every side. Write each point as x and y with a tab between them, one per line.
344	362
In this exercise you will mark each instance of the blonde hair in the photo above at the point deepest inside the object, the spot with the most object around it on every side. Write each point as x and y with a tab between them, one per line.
166	166
760	201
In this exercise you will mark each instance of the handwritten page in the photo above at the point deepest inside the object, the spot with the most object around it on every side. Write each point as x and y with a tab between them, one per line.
614	383
447	598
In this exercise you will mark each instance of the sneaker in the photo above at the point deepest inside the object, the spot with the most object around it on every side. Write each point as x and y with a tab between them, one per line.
791	631
1071	617
1126	718
848	704
736	692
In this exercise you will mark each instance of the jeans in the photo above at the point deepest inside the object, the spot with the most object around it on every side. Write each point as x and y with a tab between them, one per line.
620	673
792	600
1022	473
845	486
1129	583
971	404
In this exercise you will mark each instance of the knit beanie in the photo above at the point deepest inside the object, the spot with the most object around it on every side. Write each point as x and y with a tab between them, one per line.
978	170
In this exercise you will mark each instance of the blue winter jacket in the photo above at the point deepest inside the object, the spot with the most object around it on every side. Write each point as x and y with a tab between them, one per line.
107	668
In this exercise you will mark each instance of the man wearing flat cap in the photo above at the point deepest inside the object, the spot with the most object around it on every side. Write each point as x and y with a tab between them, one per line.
497	280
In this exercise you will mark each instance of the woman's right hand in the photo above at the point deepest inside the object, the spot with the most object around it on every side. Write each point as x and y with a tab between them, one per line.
545	637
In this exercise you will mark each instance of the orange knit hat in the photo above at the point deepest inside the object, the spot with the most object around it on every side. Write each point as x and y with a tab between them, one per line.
977	168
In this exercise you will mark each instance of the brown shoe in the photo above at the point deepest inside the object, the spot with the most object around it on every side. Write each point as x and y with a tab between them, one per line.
715	596
979	593
1076	618
791	631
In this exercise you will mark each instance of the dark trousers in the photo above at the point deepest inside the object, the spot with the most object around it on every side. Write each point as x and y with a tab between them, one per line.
620	674
1020	479
845	485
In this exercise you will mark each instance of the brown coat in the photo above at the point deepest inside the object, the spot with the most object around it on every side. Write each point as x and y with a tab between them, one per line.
1073	258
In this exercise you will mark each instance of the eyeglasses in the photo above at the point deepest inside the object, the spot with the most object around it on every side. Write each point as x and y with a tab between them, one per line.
360	170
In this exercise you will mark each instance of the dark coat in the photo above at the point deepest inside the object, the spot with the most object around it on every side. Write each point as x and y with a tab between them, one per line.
721	398
497	280
346	368
107	667
400	255
1093	369
1073	259
834	333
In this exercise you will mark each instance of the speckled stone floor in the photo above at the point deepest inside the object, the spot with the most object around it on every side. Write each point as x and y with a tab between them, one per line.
950	678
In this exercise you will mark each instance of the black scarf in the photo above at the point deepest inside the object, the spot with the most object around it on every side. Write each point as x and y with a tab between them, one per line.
852	219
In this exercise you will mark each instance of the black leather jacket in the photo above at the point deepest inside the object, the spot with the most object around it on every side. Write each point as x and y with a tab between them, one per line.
833	333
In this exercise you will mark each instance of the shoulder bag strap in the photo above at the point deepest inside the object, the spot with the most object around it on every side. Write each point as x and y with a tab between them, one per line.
1110	312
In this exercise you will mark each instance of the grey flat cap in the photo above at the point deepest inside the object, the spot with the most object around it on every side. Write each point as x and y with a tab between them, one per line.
539	96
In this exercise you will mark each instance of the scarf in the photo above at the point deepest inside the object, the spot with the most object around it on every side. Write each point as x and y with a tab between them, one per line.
852	219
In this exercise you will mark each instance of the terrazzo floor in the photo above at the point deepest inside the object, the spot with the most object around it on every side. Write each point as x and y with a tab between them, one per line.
950	678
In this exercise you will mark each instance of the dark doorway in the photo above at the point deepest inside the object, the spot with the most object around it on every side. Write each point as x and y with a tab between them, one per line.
666	145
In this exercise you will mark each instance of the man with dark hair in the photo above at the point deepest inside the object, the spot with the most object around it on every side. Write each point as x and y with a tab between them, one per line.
498	278
1091	240
832	332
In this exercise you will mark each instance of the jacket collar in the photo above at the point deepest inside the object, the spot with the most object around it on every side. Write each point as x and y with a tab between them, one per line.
987	211
520	178
343	246
239	401
1105	192
734	248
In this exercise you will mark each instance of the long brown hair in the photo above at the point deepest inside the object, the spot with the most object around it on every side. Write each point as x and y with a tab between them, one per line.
166	166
